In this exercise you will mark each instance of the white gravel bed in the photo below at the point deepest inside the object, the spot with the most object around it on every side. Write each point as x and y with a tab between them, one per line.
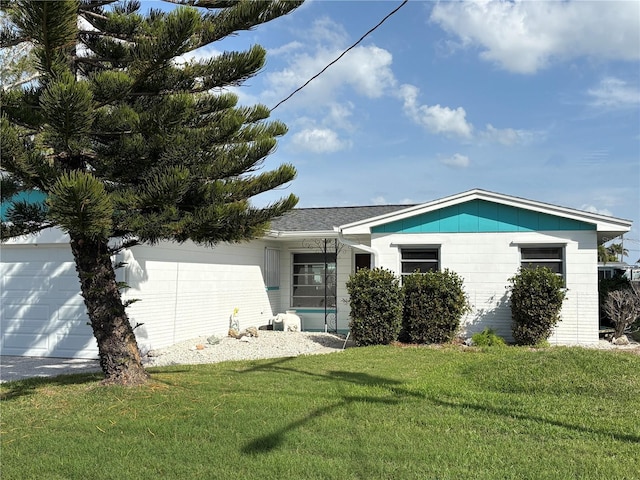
268	344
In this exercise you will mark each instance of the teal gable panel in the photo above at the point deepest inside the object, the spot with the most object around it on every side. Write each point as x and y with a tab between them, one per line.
412	225
527	220
507	219
480	216
468	216
549	222
449	220
487	217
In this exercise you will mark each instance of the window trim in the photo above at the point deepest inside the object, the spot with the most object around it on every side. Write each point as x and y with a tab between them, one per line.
419	247
562	260
292	297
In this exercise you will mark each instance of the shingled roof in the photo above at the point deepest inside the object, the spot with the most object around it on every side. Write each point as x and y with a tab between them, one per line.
325	218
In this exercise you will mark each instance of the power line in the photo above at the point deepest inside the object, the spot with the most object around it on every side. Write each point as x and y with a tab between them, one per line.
340	56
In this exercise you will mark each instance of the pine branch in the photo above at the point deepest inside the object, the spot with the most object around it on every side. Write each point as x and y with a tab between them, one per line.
123	246
22	81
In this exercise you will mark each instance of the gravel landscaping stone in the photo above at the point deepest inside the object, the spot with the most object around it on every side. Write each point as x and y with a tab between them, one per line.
268	344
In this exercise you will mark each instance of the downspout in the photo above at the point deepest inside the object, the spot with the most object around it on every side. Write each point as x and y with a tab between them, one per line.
374	253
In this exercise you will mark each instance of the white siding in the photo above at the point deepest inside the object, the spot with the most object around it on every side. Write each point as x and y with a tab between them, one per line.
189	291
486	261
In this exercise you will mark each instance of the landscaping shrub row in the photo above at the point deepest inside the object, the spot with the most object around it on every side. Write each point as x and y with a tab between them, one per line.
428	307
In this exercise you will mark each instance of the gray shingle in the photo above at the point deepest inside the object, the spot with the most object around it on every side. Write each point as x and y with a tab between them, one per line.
324	219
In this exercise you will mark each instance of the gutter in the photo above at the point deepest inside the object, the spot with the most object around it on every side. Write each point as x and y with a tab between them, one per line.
351	243
299	234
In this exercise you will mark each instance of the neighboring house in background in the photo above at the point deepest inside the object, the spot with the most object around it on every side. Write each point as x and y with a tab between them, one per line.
611	269
303	264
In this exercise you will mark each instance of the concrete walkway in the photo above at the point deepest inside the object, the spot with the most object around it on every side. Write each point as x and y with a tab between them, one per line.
18	368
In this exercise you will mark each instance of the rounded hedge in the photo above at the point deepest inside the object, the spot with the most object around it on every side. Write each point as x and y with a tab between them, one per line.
536	300
375	298
434	303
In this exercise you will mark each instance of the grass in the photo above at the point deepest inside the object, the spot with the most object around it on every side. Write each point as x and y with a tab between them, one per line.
366	413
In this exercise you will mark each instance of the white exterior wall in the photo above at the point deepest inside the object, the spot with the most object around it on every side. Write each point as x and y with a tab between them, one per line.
486	261
314	320
42	311
189	291
186	291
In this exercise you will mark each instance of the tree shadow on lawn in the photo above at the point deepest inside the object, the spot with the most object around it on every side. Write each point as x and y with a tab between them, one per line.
19	388
271	441
510	413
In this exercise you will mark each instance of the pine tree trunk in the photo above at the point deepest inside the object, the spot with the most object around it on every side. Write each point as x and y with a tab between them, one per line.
117	346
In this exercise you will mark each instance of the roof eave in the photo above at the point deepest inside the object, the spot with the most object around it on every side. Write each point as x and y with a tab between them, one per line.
284	234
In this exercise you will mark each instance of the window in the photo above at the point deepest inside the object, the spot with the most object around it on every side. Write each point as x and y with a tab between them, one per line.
271	271
550	257
313	285
419	259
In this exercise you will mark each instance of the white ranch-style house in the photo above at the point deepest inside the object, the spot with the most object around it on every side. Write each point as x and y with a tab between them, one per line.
303	264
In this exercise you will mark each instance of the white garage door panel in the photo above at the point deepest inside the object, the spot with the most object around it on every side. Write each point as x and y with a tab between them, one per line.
43	313
26	343
74	340
19	284
16	313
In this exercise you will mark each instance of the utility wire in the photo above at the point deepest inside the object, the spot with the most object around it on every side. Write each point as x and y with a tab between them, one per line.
340	56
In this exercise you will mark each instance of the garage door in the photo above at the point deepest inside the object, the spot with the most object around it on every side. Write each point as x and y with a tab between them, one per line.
43	313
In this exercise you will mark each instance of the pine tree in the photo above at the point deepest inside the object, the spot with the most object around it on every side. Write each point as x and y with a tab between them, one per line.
132	146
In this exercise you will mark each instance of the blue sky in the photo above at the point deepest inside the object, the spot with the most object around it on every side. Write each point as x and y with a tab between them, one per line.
534	99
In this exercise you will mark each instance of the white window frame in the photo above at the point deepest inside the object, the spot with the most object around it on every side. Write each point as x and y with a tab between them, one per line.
419	248
542	260
318	283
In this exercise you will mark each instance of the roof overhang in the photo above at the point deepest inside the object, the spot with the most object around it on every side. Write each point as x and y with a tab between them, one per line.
295	235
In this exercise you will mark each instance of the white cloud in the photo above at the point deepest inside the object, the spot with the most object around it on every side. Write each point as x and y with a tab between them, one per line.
203	53
453	121
614	93
593	209
508	136
318	140
456	161
526	36
379	200
325	31
435	118
285	49
366	69
339	115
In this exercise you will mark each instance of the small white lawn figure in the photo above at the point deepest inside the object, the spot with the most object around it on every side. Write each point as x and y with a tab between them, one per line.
290	321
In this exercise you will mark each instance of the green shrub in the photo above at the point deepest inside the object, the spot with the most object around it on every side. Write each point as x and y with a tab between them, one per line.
487	338
375	298
434	303
536	300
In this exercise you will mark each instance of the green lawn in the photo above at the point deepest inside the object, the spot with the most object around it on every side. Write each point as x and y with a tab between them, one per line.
366	413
